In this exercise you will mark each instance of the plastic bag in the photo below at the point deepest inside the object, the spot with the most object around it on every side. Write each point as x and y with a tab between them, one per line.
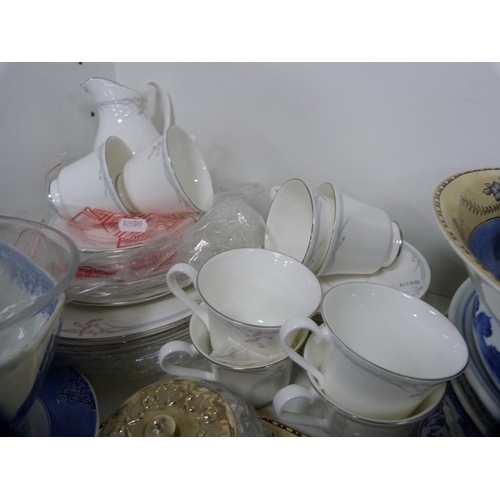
230	223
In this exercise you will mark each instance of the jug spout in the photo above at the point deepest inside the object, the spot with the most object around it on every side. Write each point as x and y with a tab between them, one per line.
124	112
102	89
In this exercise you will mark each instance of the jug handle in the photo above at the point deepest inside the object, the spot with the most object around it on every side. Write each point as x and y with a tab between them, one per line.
165	100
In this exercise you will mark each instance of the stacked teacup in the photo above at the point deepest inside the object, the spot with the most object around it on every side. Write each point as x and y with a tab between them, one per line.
330	232
135	192
379	363
127	205
378	359
247	294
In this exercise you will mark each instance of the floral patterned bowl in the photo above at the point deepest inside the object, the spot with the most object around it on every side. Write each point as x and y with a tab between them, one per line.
467	208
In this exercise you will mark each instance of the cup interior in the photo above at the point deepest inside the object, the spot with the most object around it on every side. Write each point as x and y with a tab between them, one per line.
258	287
189	167
385	329
290	220
117	155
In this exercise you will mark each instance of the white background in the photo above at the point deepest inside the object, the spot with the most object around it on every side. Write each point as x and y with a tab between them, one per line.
385	133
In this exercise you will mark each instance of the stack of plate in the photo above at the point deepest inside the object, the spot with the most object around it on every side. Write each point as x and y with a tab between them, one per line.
121	342
476	389
120	266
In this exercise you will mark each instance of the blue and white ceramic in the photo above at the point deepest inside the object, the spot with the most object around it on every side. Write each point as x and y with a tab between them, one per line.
467	209
460	314
65	407
36	265
487	337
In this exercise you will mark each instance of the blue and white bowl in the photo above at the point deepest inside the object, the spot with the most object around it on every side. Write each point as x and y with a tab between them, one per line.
36	265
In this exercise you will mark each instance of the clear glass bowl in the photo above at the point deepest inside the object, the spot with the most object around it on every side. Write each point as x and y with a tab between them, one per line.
37	263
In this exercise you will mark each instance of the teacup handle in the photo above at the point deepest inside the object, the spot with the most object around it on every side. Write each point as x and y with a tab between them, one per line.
293	392
177	346
165	99
177	290
320	335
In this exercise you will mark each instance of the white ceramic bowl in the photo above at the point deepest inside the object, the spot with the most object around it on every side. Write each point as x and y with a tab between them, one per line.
36	265
467	208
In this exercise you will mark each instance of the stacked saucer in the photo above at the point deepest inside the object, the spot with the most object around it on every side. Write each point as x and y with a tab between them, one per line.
477	390
117	266
121	342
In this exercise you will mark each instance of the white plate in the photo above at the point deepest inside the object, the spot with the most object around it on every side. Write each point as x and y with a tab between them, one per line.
410	274
460	314
98	323
65	407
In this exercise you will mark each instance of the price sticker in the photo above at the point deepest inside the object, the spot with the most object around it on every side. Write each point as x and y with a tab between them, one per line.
133	225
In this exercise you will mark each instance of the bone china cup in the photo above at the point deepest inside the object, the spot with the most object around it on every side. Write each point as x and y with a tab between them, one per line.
300	222
317	411
168	177
249	293
363	239
91	181
256	383
384	350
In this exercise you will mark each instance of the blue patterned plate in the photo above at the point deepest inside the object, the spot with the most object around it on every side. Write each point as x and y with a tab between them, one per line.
486	331
66	407
487	400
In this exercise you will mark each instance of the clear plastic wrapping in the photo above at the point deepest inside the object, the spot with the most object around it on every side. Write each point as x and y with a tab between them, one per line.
230	223
123	259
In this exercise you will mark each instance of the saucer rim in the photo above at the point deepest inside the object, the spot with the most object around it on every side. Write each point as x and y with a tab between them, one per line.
378	277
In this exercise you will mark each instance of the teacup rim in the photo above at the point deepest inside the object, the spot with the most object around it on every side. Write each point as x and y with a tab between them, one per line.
370	365
244	324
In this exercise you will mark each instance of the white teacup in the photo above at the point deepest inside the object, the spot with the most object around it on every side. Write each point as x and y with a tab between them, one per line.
257	383
317	411
168	177
384	350
249	293
300	222
363	239
91	181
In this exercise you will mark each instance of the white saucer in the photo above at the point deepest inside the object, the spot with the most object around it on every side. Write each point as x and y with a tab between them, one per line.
410	274
65	407
105	323
460	314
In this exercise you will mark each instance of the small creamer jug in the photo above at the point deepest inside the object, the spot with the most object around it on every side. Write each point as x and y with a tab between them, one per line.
124	113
